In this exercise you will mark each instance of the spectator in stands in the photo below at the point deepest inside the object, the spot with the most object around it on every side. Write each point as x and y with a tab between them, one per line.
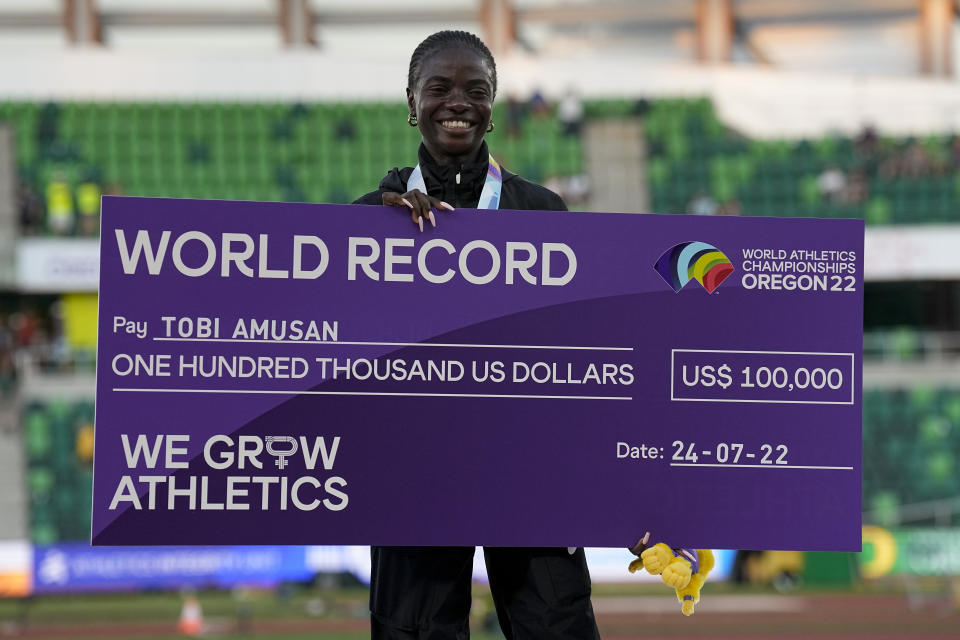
729	207
54	336
23	327
911	161
577	188
740	573
516	114
60	211
857	187
868	143
6	335
702	204
88	205
573	189
299	110
8	373
36	326
869	156
641	107
537	104
113	189
344	129
570	113
916	162
425	592
31	208
832	182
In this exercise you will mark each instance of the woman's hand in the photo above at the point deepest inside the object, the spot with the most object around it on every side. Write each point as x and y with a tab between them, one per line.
421	205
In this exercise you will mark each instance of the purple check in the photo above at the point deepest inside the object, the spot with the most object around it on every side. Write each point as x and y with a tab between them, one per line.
276	373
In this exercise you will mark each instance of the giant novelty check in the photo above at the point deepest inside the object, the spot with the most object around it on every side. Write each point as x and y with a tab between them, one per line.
275	373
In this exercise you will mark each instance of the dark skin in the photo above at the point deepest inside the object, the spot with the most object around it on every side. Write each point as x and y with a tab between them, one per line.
453	102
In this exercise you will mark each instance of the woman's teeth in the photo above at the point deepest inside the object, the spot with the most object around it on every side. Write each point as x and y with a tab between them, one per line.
456	124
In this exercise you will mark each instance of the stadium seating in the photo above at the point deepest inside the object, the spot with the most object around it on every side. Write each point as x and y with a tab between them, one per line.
892	181
58	442
333	152
911	442
322	152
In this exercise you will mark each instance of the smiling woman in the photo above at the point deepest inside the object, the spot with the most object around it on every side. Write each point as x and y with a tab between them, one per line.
451	85
452	129
424	592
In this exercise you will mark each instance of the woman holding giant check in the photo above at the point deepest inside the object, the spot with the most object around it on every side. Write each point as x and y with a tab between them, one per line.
539	592
424	592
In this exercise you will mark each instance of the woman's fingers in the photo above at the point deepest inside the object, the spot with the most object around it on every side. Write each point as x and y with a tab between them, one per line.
408	200
394	199
420	205
424	206
438	204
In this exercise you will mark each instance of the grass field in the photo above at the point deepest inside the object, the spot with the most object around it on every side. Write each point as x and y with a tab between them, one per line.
928	609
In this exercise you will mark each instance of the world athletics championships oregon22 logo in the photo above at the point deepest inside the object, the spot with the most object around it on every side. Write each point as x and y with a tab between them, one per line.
693	260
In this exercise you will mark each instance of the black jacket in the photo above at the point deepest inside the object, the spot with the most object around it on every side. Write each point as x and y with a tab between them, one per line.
442	183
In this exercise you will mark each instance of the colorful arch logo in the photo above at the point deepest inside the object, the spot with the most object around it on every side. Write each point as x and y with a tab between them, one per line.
694	261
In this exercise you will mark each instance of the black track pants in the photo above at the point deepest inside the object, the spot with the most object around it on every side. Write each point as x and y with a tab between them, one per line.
423	593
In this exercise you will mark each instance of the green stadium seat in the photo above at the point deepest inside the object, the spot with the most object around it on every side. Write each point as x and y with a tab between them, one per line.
38	437
879	211
950	402
40	481
42	529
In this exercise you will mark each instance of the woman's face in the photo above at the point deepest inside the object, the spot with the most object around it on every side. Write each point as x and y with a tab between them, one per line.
452	101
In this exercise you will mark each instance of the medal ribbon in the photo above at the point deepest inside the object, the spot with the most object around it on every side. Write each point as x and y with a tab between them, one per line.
489	196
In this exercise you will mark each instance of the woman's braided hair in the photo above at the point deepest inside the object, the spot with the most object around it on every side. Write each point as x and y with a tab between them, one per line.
443	39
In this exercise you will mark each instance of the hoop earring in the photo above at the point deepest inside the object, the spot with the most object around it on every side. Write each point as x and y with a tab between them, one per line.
491	127
412	120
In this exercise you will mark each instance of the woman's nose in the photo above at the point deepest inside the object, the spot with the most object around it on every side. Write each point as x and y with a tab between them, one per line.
457	100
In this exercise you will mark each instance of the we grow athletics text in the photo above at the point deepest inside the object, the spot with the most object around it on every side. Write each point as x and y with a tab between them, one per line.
256	488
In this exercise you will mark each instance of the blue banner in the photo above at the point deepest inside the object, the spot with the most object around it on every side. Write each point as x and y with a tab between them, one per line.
78	567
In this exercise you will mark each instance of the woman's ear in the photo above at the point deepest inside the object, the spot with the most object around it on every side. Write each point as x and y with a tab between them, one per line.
411	102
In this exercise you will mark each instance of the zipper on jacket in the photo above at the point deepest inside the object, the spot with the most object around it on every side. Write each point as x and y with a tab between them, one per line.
456	188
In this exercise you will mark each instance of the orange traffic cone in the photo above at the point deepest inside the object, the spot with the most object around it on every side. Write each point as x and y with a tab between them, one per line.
191	617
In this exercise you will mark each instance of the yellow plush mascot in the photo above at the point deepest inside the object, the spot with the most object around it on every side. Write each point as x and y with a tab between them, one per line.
683	569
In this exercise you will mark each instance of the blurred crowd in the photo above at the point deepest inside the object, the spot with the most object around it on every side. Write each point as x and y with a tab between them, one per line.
835	170
569	112
8	369
64	208
18	330
875	158
704	204
33	328
62	201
